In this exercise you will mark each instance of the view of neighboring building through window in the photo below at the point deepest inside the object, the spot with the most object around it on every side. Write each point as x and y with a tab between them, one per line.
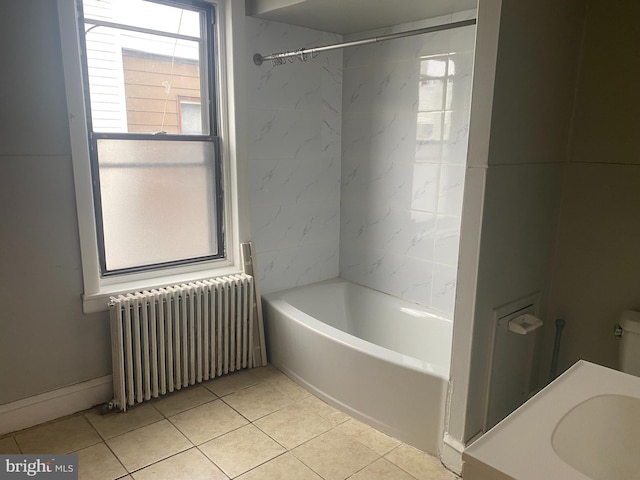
153	132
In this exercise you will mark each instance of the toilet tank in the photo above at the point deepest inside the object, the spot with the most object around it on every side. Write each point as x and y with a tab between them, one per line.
630	342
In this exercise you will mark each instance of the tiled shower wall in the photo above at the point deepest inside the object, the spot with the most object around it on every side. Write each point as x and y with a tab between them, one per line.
404	141
360	172
294	157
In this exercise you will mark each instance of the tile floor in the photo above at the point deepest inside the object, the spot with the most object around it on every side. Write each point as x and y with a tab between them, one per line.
251	425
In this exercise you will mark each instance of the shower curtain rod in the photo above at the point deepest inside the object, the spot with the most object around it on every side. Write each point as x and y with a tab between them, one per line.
305	53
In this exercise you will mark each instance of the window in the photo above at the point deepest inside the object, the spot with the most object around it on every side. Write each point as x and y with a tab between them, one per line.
149	77
156	194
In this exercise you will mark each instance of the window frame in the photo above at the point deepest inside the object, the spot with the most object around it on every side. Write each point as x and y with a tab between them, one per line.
98	287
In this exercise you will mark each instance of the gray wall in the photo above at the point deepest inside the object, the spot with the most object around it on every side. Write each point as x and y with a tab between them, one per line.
597	265
519	183
45	340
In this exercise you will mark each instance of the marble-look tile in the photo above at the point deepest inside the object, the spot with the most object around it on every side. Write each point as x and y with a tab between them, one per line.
207	421
98	463
443	293
447	240
395	86
291	426
357	88
379	136
419	464
401	276
280	269
451	189
284	467
403	232
8	446
116	423
189	465
257	401
368	436
282	181
241	450
232	382
335	456
147	445
382	470
285	226
395	163
292	134
184	399
61	436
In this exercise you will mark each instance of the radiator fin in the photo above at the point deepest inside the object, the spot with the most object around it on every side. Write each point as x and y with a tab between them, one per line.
169	338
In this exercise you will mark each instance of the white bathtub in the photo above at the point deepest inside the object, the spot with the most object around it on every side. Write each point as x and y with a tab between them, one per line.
377	357
582	426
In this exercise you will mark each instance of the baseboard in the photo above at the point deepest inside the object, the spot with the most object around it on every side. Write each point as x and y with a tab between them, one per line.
451	455
55	404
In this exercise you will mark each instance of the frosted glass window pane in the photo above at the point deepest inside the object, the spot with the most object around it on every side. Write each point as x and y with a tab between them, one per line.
158	201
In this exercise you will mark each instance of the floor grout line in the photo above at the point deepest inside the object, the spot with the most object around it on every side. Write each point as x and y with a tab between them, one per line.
267	377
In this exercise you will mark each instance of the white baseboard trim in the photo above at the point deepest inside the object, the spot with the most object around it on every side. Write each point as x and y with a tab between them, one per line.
55	404
451	455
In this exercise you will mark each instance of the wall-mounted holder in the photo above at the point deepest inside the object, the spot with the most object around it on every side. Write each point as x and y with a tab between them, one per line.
513	364
524	324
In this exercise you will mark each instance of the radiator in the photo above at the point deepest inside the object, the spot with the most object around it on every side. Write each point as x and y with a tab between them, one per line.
169	338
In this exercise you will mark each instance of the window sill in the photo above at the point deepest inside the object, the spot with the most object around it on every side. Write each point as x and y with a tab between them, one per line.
98	301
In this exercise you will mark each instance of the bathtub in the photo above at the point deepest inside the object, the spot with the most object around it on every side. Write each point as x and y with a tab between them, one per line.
582	426
380	359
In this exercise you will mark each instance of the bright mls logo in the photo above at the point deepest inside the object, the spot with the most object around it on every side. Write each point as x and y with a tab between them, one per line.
51	467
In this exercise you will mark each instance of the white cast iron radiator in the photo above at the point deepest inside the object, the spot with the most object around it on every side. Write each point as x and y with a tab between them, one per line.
168	338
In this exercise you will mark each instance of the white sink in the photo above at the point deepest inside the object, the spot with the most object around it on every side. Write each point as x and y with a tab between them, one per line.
585	425
600	436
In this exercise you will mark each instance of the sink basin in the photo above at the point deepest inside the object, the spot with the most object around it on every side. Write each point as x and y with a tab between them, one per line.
600	436
585	425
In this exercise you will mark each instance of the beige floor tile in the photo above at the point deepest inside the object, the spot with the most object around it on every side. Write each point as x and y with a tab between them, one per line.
241	450
8	446
208	421
266	373
381	470
370	437
315	405
257	401
62	436
419	464
284	467
290	388
98	463
335	456
147	445
232	383
187	398
292	427
189	465
116	423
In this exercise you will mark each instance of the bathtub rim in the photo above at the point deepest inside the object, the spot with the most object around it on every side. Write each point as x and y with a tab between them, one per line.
363	346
